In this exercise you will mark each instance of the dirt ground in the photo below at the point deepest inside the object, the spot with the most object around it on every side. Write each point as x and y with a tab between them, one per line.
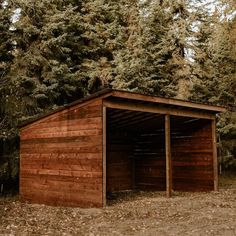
140	213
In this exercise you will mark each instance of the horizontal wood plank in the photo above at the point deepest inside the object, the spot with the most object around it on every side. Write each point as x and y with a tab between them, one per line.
61	158
59	134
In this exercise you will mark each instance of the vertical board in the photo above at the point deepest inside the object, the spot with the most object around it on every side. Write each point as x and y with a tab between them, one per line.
168	157
104	155
61	158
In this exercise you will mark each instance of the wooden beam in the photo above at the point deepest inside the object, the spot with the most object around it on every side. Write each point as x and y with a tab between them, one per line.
215	159
168	157
168	101
125	118
118	116
104	155
156	109
133	120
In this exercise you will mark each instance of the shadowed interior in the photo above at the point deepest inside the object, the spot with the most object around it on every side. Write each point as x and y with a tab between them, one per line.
136	152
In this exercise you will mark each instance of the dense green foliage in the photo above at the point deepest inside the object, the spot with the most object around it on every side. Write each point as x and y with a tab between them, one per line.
215	75
55	52
8	110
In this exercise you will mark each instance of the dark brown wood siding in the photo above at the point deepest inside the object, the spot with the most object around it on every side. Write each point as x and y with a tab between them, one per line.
73	156
192	157
119	162
150	164
61	158
138	160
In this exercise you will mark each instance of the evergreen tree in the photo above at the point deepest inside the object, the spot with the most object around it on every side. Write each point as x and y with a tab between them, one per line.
6	44
8	103
131	71
49	52
158	53
6	60
214	60
214	73
65	49
225	59
153	57
204	73
166	44
103	20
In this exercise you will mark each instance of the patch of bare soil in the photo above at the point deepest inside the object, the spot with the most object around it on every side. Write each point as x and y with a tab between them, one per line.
129	213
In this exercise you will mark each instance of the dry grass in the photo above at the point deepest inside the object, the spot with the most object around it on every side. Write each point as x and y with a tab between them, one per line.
139	213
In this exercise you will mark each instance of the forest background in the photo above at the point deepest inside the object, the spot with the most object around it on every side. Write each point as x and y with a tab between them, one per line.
53	52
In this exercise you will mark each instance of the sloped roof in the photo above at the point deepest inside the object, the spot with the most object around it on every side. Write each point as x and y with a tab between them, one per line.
135	97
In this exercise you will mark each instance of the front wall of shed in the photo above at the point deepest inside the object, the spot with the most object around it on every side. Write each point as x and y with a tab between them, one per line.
61	158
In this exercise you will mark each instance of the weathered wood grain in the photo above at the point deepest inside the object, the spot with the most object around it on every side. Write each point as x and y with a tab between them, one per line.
61	158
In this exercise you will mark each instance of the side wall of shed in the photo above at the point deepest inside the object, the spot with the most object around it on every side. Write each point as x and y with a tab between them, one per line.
61	158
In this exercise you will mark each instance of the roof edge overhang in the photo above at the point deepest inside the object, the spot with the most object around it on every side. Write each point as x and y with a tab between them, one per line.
168	101
106	93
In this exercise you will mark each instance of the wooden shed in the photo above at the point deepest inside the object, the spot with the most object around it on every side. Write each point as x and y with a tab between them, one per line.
116	140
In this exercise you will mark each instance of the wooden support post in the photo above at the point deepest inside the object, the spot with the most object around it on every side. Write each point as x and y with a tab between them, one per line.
168	157
215	159
104	155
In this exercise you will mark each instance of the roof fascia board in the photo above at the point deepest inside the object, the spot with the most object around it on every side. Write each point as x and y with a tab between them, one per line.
167	101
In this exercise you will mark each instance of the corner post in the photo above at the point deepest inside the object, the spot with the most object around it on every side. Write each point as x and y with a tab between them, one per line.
168	157
104	154
215	159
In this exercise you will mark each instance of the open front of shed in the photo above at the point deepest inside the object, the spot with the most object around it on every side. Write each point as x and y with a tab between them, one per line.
116	140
